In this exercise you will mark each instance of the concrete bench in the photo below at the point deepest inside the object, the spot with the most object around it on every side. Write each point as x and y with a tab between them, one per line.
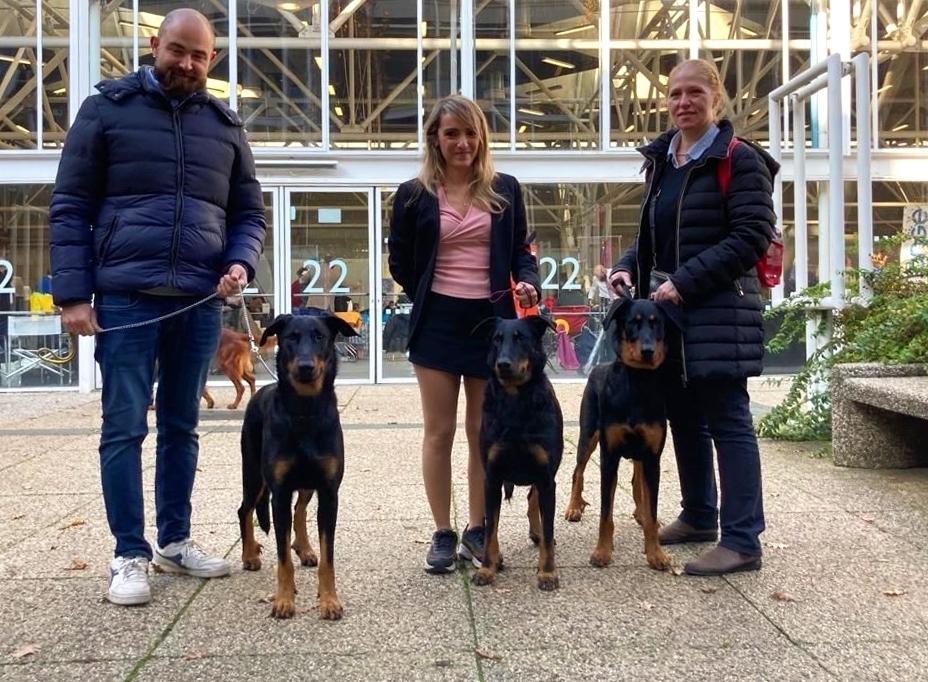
879	416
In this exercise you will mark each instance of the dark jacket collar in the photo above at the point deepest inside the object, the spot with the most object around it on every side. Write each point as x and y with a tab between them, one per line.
656	152
138	82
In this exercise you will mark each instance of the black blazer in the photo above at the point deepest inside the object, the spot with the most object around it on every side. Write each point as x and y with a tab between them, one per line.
413	244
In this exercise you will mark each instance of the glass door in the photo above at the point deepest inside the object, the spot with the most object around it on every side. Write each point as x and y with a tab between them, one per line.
329	266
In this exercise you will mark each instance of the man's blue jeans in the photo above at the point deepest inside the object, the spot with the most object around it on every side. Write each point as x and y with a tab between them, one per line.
183	346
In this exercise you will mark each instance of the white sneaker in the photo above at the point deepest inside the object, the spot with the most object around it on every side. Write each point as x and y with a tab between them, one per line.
129	581
188	558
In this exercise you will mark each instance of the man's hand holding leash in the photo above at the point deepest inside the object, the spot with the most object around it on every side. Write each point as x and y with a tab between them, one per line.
80	319
233	282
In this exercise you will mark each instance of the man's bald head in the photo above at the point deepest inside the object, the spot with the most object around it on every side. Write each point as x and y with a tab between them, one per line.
184	14
183	50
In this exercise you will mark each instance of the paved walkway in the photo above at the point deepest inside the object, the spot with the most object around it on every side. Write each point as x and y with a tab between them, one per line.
843	594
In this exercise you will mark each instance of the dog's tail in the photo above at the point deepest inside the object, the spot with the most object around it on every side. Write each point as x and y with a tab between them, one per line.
263	510
507	489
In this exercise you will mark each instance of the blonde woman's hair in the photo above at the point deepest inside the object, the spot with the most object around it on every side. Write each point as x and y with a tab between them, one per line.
482	171
708	73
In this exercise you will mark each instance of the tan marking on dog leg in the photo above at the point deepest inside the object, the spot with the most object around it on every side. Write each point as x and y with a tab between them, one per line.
330	608
486	574
602	555
637	479
251	548
577	505
534	516
301	544
657	558
285	599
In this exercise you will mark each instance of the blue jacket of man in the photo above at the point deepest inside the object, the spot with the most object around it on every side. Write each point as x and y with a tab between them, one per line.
152	194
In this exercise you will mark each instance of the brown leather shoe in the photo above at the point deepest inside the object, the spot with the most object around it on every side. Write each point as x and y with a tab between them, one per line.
720	560
679	532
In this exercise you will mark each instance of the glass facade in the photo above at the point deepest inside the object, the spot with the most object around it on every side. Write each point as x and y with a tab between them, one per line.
334	95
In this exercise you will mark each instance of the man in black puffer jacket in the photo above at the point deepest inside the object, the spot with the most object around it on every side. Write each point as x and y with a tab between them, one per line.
156	206
702	245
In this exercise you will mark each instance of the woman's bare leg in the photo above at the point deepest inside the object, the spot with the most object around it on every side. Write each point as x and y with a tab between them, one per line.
473	393
439	394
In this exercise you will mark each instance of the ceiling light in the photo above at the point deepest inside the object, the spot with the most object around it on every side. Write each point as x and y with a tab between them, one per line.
530	112
900	127
339	111
318	61
630	129
523	128
575	29
331	89
288	6
557	62
424	27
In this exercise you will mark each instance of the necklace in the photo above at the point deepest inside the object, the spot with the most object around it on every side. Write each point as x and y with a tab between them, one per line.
460	200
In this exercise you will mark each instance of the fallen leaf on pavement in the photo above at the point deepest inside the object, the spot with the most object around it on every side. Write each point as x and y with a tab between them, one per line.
75	522
776	545
195	655
676	570
896	592
18	517
486	654
77	564
26	650
708	589
867	518
782	596
646	606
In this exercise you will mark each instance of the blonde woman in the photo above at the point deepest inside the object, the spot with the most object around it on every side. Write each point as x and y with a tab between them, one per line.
457	236
697	248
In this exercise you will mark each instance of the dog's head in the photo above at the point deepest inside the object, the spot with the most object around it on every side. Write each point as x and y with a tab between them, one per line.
516	350
638	330
306	359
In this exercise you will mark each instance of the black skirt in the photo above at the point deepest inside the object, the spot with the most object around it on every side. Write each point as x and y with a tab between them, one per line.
444	340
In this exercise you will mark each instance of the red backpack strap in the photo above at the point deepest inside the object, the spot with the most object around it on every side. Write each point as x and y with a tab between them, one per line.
725	166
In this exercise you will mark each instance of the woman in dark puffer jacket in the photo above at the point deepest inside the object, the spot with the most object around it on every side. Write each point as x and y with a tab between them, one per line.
697	248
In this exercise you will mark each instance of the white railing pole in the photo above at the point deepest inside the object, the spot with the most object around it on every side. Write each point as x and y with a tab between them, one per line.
836	181
861	64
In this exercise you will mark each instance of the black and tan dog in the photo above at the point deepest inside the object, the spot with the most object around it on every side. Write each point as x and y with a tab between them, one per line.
623	411
292	442
521	440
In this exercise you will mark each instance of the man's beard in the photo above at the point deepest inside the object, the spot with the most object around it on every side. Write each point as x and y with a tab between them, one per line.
177	83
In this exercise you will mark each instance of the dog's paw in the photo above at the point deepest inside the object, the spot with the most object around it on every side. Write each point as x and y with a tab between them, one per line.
330	608
283	608
252	562
307	556
548	581
575	509
659	560
534	536
483	576
600	559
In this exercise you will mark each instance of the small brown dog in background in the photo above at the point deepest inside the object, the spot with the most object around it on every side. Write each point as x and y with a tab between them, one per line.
234	358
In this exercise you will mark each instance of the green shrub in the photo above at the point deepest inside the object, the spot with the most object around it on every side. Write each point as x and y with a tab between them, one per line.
892	328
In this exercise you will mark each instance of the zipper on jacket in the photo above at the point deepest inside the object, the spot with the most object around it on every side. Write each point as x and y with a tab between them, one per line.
686	182
179	198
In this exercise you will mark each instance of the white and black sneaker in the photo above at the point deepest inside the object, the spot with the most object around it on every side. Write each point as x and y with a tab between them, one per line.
442	557
186	557
129	581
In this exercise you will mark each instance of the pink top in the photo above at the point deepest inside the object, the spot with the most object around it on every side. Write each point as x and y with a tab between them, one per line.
462	264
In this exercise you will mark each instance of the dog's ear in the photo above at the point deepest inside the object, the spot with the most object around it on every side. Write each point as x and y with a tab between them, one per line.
541	324
337	325
485	327
672	313
279	323
617	310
